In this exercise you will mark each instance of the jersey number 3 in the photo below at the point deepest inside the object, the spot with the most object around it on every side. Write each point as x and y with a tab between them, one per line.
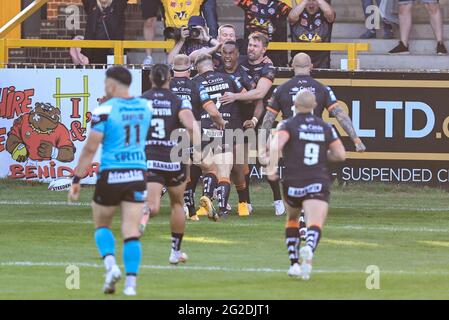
159	128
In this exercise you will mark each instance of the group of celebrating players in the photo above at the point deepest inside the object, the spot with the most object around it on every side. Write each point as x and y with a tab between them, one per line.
186	128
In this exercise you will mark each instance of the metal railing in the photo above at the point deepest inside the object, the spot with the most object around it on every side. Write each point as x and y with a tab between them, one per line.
352	49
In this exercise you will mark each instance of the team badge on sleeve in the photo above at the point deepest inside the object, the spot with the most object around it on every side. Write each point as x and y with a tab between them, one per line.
331	94
186	105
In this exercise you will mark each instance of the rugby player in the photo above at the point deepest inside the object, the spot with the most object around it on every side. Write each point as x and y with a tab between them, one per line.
120	124
214	143
170	113
284	96
226	32
187	89
307	144
230	55
263	73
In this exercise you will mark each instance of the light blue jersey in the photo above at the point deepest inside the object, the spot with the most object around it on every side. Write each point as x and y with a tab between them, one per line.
125	124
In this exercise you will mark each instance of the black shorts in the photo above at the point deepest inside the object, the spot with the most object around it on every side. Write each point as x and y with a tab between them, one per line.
173	178
295	193
115	186
211	140
150	8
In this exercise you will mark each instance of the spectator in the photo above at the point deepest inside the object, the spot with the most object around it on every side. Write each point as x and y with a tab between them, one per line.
210	14
189	43
150	10
176	15
77	57
266	16
105	21
371	33
389	11
226	33
405	25
312	21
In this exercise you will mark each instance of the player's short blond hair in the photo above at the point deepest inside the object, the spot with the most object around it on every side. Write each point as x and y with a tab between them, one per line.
181	62
202	58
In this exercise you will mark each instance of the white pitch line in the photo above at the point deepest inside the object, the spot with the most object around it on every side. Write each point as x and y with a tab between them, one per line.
210	268
87	204
44	203
237	224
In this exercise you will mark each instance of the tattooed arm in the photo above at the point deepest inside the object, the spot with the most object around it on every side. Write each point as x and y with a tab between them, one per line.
346	123
265	129
267	123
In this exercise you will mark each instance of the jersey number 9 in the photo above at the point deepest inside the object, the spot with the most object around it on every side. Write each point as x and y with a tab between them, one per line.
311	154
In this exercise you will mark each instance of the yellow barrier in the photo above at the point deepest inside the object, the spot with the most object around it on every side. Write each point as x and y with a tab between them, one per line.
352	49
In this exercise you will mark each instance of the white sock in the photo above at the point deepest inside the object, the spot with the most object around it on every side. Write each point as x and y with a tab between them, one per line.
109	262
130	281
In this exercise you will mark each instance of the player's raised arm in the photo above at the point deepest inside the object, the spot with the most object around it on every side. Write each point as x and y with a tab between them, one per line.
271	114
343	119
346	123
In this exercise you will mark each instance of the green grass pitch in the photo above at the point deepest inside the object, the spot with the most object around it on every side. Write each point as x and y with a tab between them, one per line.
404	231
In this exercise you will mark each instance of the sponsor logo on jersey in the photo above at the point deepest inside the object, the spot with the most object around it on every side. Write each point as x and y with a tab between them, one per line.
311	128
129	156
212	133
302	192
163	143
124	177
163	166
162	112
311	136
161	103
310	37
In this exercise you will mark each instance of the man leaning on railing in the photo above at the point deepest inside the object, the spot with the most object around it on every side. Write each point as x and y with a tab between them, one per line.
105	21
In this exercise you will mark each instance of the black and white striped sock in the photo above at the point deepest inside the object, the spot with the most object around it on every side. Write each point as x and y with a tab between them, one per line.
313	237
292	241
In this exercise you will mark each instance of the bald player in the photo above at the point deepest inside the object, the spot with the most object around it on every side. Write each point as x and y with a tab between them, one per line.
196	93
307	144
284	95
283	98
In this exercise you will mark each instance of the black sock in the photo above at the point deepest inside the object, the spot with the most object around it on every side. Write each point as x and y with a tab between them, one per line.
247	179
195	175
292	241
209	184
176	239
189	199
313	237
223	191
302	226
276	190
242	192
